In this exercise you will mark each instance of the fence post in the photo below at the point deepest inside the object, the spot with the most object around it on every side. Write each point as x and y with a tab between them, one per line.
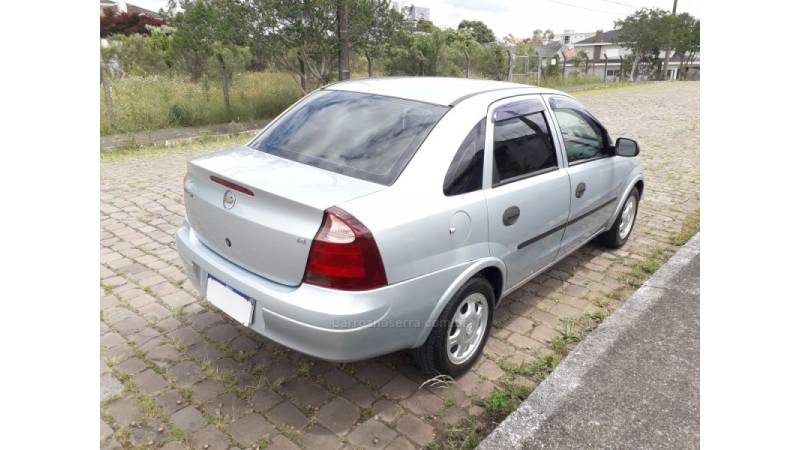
107	94
538	69
605	67
510	64
564	67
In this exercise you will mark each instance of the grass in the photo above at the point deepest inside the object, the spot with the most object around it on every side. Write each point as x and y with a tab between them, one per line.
205	143
155	102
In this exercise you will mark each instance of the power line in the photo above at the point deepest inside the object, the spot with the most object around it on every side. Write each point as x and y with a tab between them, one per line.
587	9
620	3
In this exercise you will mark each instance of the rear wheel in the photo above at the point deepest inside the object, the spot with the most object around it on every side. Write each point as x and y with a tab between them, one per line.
618	235
460	332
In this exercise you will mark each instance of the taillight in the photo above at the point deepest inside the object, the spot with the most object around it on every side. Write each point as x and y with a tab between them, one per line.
344	255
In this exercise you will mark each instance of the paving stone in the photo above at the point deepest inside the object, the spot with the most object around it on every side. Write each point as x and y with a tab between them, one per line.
173	446
250	429
207	390
149	381
105	430
361	395
415	429
288	415
338	415
374	373
423	402
337	378
109	386
210	438
170	402
229	406
372	434
305	392
401	443
317	437
188	419
110	340
132	365
186	336
281	442
264	399
124	411
387	410
222	332
186	372
399	388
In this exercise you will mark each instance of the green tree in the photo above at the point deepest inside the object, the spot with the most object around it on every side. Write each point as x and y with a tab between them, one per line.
464	41
492	61
374	26
686	40
581	59
645	33
210	31
481	32
299	37
426	26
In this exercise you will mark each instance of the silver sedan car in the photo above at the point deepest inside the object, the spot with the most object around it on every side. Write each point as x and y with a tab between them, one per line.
387	214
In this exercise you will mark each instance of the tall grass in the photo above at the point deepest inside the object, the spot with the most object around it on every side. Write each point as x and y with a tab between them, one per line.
154	102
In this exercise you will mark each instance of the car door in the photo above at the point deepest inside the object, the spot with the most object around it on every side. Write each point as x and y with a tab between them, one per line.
590	166
528	189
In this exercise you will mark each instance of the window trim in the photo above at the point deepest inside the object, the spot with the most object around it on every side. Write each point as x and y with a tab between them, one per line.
525	176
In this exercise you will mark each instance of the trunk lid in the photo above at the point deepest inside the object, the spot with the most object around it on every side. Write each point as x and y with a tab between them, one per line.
269	232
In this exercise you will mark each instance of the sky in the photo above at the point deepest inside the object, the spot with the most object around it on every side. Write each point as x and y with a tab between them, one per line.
521	17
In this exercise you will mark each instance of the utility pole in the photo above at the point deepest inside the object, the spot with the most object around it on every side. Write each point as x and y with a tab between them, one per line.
668	51
344	40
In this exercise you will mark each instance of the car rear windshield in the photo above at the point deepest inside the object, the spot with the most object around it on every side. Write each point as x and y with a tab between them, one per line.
371	137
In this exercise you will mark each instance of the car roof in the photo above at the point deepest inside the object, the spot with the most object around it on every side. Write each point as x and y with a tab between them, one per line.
437	90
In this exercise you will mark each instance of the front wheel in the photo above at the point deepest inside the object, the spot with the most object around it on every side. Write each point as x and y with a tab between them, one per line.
459	334
618	235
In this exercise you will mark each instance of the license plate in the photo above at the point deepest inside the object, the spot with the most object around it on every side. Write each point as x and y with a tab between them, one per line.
230	301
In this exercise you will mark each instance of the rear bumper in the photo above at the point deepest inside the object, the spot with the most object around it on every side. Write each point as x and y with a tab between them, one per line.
333	325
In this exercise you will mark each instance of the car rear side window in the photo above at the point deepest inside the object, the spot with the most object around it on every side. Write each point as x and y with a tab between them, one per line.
522	147
371	137
466	170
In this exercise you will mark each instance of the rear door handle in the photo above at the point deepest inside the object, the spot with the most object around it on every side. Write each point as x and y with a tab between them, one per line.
510	216
580	190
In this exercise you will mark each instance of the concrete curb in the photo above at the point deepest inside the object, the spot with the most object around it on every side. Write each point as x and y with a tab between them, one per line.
523	424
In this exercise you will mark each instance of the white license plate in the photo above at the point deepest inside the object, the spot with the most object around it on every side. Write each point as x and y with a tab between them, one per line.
231	302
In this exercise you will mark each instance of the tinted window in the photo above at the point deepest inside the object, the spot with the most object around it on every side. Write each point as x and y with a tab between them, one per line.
584	137
522	146
466	171
365	136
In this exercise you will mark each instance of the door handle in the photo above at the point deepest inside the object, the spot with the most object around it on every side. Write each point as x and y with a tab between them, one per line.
580	190
510	216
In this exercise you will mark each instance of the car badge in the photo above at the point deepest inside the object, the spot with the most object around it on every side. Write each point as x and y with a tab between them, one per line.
228	200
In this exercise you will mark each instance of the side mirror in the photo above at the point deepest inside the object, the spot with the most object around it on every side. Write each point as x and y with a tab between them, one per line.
626	147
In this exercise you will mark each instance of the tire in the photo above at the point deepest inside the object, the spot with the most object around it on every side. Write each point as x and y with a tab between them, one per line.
617	235
434	357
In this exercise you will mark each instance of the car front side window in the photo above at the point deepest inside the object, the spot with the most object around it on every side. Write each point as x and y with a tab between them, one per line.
584	138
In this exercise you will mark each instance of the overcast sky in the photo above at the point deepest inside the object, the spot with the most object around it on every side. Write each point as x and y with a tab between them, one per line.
521	17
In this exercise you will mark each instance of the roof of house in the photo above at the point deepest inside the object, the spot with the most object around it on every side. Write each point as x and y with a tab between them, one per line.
607	37
437	90
548	49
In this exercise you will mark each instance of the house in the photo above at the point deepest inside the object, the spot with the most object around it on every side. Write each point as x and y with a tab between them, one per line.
121	6
570	36
411	12
603	45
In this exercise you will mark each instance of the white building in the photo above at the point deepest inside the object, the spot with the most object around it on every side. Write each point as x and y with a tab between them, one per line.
411	11
603	45
570	36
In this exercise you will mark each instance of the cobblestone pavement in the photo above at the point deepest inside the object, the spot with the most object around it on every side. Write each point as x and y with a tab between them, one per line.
176	373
